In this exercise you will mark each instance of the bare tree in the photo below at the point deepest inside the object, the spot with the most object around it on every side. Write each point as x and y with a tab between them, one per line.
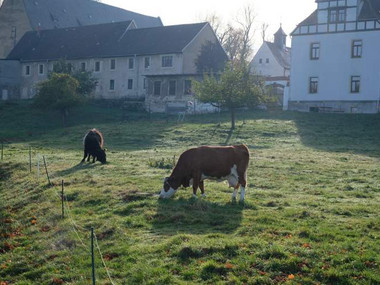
246	24
264	27
236	38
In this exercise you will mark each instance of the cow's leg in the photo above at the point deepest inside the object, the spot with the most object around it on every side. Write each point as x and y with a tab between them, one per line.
88	158
196	182
84	156
242	174
235	192
93	158
202	187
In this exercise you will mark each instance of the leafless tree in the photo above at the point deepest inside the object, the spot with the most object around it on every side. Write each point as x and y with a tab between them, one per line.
237	37
246	24
264	27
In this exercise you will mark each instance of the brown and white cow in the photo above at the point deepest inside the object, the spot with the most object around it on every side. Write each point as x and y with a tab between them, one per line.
209	162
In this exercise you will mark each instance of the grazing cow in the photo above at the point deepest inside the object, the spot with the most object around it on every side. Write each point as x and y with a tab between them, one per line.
93	146
209	162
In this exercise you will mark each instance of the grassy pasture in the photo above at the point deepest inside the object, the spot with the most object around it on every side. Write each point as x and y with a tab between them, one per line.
311	214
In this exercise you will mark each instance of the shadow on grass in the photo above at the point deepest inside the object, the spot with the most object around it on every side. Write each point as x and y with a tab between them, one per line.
196	216
7	168
75	168
350	133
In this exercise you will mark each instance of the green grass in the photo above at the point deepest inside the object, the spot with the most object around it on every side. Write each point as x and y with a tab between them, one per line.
311	214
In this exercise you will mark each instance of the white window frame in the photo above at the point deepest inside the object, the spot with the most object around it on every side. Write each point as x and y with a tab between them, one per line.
150	62
313	84
163	61
28	70
113	60
100	66
130	80
83	63
39	69
355	84
131	60
113	85
175	87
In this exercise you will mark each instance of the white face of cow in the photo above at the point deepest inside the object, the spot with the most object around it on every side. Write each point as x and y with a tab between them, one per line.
167	194
167	191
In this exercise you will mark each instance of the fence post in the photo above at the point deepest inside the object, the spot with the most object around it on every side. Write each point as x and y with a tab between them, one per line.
47	174
92	256
62	199
30	159
38	165
2	150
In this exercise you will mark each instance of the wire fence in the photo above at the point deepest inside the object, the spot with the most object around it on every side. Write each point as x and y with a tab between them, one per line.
76	228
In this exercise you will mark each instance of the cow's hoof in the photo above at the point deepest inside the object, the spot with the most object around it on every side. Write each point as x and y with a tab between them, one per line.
195	196
241	202
204	195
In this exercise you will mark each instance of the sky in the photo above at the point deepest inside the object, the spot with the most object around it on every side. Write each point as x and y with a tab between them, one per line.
288	13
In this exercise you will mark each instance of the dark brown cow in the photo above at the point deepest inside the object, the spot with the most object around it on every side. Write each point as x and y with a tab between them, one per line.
209	162
93	146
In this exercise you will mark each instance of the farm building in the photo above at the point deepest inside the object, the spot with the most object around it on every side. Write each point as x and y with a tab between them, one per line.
272	62
154	65
20	16
335	58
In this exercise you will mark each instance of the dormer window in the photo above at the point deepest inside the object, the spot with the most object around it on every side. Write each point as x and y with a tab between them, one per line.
337	15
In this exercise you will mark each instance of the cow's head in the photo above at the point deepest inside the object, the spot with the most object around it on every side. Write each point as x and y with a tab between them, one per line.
168	190
101	156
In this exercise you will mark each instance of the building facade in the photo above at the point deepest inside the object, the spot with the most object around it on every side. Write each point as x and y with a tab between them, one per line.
335	63
154	65
272	62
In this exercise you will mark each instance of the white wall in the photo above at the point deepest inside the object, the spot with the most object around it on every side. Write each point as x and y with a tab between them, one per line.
273	68
335	67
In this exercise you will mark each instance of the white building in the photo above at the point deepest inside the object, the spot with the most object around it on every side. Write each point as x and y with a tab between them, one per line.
335	63
272	62
154	65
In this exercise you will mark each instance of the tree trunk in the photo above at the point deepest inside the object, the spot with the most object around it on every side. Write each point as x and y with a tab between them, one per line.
232	110
64	116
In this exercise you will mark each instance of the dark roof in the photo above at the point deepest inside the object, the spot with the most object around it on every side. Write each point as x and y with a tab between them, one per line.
50	14
104	40
281	55
280	32
370	10
311	20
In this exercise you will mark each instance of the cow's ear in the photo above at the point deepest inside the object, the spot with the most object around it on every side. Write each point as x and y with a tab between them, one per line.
105	149
165	179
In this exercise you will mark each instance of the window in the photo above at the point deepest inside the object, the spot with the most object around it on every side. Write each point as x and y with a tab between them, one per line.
40	69
357	48
267	60
83	66
113	64
131	63
112	84
172	87
157	88
314	51
27	70
313	85
167	61
130	84
97	66
145	83
337	15
147	62
187	90
260	60
355	84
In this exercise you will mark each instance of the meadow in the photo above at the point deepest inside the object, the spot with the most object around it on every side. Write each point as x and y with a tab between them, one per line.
311	214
